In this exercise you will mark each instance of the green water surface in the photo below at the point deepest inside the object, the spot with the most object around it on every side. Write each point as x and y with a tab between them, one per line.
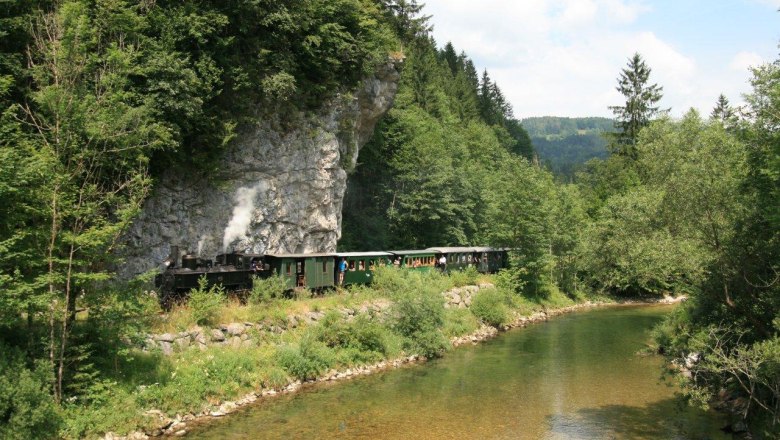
580	376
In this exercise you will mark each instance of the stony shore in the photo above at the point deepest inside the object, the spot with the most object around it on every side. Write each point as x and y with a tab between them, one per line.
179	425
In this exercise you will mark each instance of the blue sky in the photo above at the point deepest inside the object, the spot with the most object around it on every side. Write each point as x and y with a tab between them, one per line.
562	57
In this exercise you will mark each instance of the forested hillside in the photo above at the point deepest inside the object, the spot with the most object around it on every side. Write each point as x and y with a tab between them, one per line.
693	206
423	179
98	96
565	144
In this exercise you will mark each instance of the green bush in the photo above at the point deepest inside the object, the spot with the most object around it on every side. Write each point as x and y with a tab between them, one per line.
205	302
360	341
390	281
186	382
467	277
275	378
309	359
83	419
490	307
511	279
27	408
267	289
459	322
419	318
393	282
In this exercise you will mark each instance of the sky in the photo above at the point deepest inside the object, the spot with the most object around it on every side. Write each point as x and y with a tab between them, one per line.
563	57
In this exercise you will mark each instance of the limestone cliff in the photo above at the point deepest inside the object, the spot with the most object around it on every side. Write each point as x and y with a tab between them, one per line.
280	188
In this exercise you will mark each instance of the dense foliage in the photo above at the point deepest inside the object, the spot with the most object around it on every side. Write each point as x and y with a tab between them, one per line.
691	206
564	145
97	97
420	180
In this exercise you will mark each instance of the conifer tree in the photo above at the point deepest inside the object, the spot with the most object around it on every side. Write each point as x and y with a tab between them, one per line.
408	21
470	71
449	55
723	112
639	108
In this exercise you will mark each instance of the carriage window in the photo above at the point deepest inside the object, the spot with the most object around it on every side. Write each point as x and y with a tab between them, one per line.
362	265
371	264
289	268
324	266
352	265
300	267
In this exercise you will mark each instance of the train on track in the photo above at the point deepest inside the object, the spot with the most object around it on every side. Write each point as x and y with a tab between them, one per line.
236	271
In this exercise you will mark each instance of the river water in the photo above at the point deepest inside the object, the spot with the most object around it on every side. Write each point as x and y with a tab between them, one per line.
579	376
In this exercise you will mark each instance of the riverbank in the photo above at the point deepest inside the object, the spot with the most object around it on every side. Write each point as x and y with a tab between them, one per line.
294	352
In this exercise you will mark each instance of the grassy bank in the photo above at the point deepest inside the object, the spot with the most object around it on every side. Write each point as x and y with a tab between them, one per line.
191	381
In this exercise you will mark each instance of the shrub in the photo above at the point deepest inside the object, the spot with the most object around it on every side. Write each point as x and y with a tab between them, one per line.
390	281
490	307
467	277
275	378
359	341
459	322
27	408
511	279
419	312
205	302
267	289
309	359
419	318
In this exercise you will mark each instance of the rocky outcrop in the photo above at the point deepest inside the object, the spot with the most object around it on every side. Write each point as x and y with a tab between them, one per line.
279	188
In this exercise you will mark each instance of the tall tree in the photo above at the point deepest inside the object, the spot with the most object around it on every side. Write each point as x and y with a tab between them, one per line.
640	106
723	112
409	23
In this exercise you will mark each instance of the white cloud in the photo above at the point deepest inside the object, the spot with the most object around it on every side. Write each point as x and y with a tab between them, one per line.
578	12
774	4
562	57
745	60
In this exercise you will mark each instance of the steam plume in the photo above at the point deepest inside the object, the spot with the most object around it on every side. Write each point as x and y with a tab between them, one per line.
242	215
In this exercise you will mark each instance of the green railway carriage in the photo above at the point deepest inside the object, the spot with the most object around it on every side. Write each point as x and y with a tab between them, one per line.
458	258
422	260
490	260
360	266
312	271
484	259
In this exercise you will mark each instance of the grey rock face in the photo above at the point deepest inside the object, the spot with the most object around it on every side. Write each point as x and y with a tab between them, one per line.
280	187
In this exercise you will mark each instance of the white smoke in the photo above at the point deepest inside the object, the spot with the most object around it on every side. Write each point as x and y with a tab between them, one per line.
242	215
200	245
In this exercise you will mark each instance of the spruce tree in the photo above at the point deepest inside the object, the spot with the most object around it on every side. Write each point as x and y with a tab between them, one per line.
639	108
449	55
723	112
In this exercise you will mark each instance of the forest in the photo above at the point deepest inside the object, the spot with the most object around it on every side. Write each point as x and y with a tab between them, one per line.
98	96
565	144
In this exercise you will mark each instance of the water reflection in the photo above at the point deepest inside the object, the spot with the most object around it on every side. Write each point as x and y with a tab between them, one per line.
576	377
665	419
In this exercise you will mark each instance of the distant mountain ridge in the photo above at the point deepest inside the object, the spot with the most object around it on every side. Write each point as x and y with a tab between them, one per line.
565	144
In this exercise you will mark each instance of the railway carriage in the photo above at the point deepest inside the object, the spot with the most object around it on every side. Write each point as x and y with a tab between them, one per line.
421	260
309	271
458	258
360	265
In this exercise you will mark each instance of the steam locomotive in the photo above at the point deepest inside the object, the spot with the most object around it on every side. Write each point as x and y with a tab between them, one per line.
236	271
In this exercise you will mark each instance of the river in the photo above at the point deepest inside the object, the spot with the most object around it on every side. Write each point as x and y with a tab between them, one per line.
579	376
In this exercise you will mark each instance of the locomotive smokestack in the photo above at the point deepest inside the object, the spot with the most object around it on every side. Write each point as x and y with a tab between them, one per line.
173	257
